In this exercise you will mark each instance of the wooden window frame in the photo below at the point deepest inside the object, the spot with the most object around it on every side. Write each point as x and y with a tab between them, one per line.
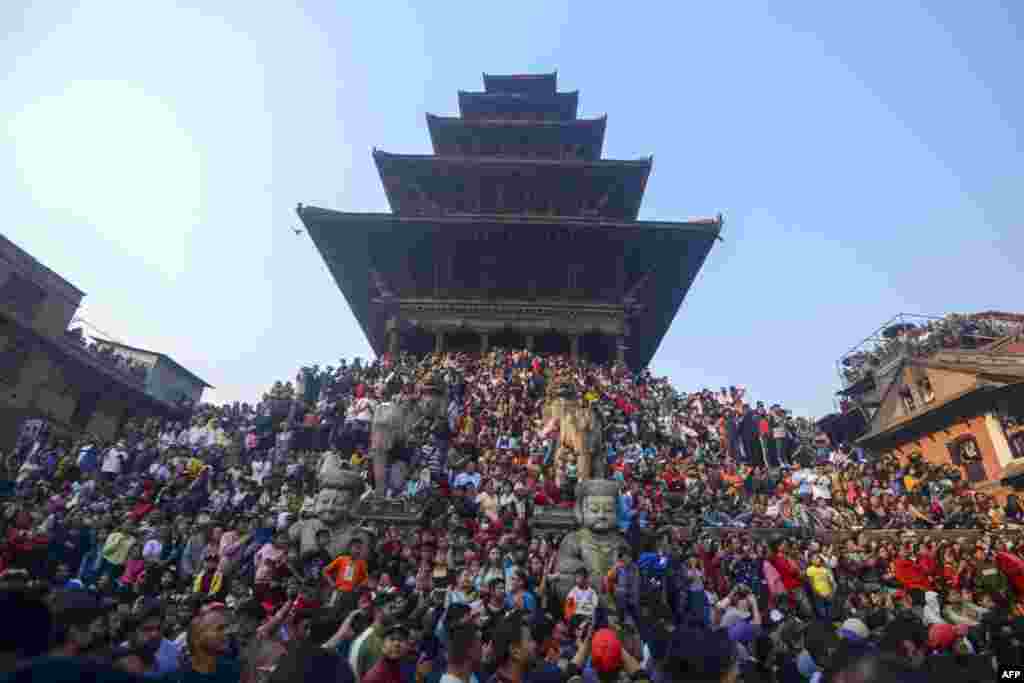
924	387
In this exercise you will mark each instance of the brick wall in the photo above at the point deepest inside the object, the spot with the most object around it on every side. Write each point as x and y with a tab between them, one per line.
933	448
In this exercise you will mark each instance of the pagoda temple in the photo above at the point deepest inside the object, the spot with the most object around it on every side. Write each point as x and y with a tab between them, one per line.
514	233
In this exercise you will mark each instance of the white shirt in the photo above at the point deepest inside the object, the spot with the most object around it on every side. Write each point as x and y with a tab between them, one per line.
159	471
152	550
112	460
585	600
261	470
821	488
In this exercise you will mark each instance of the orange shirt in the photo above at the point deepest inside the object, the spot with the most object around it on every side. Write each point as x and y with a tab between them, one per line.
347	573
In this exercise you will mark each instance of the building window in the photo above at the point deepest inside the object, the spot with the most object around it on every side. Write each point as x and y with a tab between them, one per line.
908	399
924	386
968	449
965	451
22	296
1017	444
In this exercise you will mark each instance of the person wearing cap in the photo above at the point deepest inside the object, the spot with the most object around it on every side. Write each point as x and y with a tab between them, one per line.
388	667
942	637
609	658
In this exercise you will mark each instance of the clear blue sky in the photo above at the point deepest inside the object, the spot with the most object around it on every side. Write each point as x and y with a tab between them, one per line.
867	157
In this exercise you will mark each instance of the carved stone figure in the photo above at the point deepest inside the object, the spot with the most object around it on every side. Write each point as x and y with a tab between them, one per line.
579	432
338	494
395	423
595	545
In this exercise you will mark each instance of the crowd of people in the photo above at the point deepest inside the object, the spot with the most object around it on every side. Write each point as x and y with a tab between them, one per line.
137	371
166	552
954	331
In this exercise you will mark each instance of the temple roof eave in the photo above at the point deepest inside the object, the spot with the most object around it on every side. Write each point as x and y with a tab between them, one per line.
566	103
594	128
547	81
440	119
343	239
380	156
710	226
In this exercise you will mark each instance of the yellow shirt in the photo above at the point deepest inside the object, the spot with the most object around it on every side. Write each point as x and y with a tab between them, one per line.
821	580
117	547
193	467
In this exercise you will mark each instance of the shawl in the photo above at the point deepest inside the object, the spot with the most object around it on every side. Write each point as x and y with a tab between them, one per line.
1013	567
910	575
788	571
215	584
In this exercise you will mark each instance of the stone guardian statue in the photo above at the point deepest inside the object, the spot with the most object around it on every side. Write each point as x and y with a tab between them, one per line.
332	510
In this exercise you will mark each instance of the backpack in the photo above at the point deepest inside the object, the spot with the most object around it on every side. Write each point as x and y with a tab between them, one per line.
654	575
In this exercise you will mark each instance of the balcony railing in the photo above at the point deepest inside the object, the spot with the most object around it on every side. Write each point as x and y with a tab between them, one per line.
921	336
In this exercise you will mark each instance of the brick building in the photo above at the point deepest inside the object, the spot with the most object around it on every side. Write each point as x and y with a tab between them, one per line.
959	406
46	372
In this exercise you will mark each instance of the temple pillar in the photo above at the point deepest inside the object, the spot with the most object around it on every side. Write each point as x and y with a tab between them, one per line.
439	341
485	342
574	346
620	349
529	342
393	340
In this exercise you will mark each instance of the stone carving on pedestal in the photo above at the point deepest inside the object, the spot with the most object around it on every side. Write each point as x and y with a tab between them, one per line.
339	491
595	544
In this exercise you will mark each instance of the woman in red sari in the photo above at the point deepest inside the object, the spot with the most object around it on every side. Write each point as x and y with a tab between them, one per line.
909	572
791	575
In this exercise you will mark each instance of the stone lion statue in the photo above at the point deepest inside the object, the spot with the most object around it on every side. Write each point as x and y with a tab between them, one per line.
397	423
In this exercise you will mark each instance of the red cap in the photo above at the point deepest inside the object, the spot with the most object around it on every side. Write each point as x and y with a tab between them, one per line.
606	651
942	636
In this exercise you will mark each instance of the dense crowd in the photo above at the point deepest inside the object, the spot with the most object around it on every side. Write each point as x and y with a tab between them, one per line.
166	551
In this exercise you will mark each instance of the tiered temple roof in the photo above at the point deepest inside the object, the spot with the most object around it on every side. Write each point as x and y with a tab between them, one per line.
515	232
